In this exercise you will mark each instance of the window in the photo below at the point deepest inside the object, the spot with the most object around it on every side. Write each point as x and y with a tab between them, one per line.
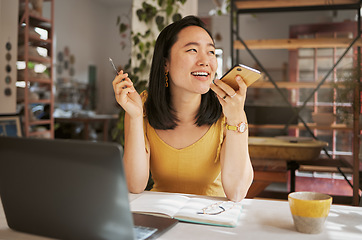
311	66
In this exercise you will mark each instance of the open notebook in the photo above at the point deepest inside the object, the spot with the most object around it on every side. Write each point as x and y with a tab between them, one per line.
189	208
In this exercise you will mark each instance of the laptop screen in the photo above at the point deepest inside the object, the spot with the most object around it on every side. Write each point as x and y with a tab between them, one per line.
64	188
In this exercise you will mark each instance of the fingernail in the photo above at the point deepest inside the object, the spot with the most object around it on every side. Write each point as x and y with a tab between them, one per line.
238	78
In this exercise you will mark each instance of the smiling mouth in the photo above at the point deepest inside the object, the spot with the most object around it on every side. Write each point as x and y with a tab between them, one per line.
200	74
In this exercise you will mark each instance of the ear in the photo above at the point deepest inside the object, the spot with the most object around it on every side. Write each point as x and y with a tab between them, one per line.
167	65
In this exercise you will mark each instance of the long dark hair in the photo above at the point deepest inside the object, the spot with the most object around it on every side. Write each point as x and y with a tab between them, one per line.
158	106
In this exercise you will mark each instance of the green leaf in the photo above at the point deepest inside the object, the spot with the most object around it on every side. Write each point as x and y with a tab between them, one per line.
160	27
228	8
148	45
160	3
143	65
128	65
147	33
139	56
31	65
159	19
169	10
159	22
122	28
152	13
136	40
176	17
149	10
140	14
141	47
145	5
135	79
141	86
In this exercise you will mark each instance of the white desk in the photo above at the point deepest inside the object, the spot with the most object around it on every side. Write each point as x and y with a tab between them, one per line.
260	219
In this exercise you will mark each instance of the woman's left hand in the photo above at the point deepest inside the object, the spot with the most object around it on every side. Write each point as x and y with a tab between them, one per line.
232	101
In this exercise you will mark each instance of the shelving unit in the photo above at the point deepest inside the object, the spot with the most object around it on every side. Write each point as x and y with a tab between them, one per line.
297	43
261	6
44	82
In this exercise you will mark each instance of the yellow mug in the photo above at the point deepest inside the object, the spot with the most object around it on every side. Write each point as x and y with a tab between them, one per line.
309	210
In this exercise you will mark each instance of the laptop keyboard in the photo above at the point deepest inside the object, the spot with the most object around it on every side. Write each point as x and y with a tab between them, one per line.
142	232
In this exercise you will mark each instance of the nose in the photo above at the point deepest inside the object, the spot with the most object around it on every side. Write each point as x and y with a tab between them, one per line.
203	64
203	60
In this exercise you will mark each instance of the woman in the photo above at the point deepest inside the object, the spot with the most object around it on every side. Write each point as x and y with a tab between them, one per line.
179	129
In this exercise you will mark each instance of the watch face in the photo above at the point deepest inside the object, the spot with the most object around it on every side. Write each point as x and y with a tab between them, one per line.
242	127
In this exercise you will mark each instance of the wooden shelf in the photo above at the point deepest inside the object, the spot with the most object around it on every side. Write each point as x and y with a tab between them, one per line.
45	43
297	43
38	80
35	59
39	133
289	85
300	126
40	101
27	22
38	42
313	126
263	4
277	6
327	165
38	21
40	122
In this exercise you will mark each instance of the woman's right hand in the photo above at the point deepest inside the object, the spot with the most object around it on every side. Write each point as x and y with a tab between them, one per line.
126	95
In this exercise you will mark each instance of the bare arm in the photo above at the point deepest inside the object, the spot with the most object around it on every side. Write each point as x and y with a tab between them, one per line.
236	169
136	159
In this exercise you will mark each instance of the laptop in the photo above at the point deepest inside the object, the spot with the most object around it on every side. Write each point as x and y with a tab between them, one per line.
68	189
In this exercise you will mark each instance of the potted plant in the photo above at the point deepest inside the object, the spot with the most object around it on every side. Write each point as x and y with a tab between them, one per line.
345	92
161	14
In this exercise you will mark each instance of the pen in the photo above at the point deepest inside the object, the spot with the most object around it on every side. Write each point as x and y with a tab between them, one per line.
114	67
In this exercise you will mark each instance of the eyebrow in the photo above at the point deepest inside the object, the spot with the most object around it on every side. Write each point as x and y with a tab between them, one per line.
196	43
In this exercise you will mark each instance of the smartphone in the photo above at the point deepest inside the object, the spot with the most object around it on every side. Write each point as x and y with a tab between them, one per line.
249	75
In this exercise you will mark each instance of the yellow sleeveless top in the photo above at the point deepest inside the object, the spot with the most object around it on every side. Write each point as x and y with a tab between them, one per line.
194	169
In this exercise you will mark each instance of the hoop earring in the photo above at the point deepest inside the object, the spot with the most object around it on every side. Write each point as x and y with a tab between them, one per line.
166	79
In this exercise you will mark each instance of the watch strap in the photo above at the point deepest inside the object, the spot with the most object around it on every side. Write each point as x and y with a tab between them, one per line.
241	127
230	127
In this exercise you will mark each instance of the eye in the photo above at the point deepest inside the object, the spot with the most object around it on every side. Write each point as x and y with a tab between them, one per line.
192	50
212	52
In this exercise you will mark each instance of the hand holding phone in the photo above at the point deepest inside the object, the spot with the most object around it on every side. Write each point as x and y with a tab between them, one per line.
248	74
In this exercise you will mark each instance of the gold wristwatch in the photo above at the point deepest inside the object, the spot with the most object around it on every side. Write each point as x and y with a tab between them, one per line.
241	127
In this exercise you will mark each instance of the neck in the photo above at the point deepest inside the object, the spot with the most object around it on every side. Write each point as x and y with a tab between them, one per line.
186	107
